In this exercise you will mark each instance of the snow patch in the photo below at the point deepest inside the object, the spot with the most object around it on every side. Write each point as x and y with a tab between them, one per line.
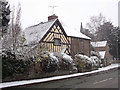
96	60
102	54
75	33
53	58
99	44
67	58
84	57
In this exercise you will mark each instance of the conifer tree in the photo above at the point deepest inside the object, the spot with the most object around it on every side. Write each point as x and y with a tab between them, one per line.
4	17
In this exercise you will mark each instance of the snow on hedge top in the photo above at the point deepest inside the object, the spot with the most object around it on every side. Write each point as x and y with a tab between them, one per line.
99	44
36	32
102	54
83	56
67	58
75	33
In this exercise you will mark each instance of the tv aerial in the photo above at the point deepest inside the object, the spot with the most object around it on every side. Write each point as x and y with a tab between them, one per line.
53	7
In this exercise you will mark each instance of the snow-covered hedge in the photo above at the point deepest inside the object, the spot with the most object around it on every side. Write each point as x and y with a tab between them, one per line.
12	65
53	63
96	60
83	62
65	61
69	60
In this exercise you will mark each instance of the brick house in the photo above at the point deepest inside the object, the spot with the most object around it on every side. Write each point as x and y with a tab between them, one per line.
103	49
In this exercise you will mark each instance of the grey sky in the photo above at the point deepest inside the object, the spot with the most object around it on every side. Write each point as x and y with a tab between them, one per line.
119	14
70	12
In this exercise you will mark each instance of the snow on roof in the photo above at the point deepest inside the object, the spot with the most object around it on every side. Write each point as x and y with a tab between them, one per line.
99	44
74	33
35	33
102	54
2	0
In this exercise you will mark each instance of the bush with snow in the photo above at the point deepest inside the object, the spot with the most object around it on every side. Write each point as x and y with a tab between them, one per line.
94	53
69	60
95	57
53	63
65	61
83	62
96	61
12	65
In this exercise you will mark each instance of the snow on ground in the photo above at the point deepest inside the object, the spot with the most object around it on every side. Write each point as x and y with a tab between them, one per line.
23	82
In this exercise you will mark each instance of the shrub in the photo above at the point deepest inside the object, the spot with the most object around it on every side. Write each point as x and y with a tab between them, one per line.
83	62
52	63
10	65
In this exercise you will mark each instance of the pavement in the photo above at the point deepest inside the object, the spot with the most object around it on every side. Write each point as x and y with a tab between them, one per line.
101	80
38	81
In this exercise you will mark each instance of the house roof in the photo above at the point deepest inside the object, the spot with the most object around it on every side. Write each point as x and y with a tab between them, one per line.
74	33
35	33
99	44
2	0
102	54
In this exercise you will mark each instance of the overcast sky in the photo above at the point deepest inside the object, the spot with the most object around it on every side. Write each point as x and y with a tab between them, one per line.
70	12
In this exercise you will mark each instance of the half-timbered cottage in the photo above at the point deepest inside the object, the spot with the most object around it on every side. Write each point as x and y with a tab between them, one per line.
54	37
103	49
50	34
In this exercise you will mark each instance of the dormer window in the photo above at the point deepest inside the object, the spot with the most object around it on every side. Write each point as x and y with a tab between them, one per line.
57	42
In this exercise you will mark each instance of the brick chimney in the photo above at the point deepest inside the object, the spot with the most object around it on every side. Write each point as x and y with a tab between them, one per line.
52	17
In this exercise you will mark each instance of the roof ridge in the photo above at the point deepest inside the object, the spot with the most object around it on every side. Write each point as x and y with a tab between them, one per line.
40	23
42	28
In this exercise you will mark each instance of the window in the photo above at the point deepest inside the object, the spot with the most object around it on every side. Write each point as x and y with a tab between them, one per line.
57	42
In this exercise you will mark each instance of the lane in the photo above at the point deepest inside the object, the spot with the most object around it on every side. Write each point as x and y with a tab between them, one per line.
112	83
103	80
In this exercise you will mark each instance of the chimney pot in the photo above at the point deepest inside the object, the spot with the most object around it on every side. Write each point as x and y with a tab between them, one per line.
52	17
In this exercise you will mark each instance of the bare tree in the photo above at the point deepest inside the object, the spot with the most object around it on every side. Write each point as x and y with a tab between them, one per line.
16	26
95	22
11	41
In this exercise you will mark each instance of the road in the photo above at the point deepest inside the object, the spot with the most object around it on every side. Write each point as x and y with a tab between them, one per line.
102	80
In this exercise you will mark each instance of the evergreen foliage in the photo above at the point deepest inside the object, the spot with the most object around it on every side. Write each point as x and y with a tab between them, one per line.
11	65
5	16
